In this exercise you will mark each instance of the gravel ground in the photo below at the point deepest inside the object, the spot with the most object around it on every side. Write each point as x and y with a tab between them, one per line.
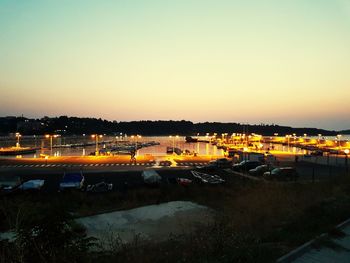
153	222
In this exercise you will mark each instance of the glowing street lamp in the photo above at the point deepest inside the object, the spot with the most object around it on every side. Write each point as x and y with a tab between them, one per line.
174	137
338	138
288	136
137	137
96	136
18	135
319	140
50	136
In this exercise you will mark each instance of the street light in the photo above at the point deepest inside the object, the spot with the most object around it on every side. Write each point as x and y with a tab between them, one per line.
288	136
96	136
51	136
137	137
338	137
18	135
174	137
319	140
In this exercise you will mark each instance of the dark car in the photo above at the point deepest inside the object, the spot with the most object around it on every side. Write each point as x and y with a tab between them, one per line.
316	153
260	170
282	173
221	163
245	166
215	164
100	187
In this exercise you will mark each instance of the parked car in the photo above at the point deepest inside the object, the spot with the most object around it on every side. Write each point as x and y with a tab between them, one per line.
9	182
184	181
36	184
207	178
317	153
151	177
282	173
100	187
260	170
221	163
72	181
246	165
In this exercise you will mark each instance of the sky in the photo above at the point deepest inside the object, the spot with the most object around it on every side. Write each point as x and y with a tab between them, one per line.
283	62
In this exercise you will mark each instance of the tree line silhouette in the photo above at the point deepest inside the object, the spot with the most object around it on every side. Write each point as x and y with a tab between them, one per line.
78	126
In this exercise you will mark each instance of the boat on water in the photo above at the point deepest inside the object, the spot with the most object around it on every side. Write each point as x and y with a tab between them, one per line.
171	150
191	139
17	150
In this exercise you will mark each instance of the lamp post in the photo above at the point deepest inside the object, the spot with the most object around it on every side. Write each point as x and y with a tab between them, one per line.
288	136
338	137
50	136
294	138
319	140
174	137
96	136
18	135
137	137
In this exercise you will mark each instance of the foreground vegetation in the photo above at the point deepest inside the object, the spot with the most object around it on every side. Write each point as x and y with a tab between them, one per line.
256	222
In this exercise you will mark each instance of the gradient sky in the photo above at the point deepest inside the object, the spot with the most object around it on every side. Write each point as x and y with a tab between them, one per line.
284	62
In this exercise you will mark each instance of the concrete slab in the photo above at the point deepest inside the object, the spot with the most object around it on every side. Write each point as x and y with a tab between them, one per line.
338	253
154	222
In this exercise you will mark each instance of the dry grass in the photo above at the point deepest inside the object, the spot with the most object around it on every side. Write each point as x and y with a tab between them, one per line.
255	219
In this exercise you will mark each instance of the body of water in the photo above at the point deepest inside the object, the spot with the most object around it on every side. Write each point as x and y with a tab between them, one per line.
44	145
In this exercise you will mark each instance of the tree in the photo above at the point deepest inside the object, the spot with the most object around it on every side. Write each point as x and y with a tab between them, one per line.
51	236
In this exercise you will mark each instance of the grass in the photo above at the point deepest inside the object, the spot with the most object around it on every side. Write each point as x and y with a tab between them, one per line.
255	220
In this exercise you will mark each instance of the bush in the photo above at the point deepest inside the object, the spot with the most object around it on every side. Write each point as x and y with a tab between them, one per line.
48	236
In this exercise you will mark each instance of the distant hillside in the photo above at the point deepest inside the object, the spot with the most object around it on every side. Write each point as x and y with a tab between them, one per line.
78	126
344	132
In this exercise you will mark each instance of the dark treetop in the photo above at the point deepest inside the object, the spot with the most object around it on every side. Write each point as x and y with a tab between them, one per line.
77	126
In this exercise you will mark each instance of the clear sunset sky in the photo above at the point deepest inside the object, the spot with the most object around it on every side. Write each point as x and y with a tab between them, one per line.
284	62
